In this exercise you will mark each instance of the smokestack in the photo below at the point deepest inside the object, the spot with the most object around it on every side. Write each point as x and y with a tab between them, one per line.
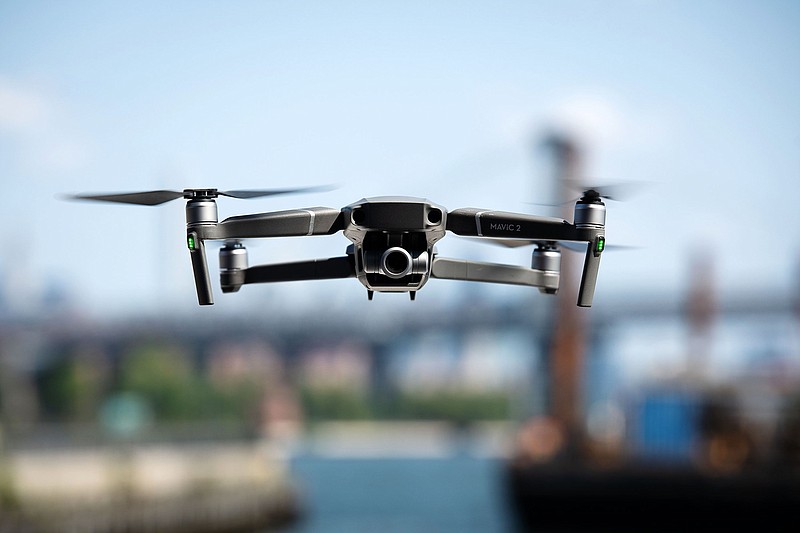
700	312
567	344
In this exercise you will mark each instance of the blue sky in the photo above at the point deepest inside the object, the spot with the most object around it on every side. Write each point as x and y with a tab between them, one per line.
443	100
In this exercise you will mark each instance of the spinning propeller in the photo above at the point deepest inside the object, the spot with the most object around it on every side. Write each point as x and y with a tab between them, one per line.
616	192
163	196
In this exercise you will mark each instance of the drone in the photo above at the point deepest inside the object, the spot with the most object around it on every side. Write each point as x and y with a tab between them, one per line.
391	238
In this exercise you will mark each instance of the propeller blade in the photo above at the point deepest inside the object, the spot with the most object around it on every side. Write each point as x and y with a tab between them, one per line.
620	191
506	243
163	196
136	198
581	247
258	193
510	243
567	245
247	243
562	204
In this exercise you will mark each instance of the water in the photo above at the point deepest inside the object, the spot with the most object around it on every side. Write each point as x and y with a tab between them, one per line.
458	493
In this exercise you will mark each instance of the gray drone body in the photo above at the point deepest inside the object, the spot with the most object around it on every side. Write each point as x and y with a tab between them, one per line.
392	242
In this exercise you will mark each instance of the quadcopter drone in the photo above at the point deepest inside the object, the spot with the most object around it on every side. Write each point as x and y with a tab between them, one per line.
391	241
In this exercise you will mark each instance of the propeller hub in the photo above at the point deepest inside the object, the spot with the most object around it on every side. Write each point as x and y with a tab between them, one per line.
591	196
200	194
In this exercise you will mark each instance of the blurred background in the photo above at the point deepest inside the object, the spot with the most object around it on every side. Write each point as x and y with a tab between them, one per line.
305	407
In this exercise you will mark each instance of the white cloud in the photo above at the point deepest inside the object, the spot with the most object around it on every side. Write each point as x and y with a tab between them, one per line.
605	122
591	117
44	139
600	119
22	111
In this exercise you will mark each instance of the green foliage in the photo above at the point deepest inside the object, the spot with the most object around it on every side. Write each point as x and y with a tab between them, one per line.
237	401
176	392
8	496
458	406
163	377
71	389
334	403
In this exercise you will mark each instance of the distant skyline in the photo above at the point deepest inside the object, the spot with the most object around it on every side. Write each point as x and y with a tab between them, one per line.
444	100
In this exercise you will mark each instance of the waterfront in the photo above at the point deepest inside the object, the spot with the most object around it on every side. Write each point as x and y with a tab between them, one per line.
448	493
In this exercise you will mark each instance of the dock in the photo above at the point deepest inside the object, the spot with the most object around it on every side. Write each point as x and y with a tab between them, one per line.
200	487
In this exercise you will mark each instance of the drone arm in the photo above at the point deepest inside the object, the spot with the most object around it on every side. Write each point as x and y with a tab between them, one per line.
473	222
459	269
292	223
312	221
517	228
333	268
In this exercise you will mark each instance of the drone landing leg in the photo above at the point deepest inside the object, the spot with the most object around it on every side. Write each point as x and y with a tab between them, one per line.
591	266
202	282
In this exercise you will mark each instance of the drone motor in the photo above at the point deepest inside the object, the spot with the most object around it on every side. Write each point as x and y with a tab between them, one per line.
547	257
232	265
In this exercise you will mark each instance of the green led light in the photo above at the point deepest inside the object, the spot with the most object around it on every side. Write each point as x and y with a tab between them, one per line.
601	243
190	241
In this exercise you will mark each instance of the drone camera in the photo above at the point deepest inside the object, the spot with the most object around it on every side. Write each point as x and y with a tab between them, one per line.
396	262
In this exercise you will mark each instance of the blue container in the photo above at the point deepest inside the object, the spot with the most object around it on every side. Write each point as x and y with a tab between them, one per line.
666	426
